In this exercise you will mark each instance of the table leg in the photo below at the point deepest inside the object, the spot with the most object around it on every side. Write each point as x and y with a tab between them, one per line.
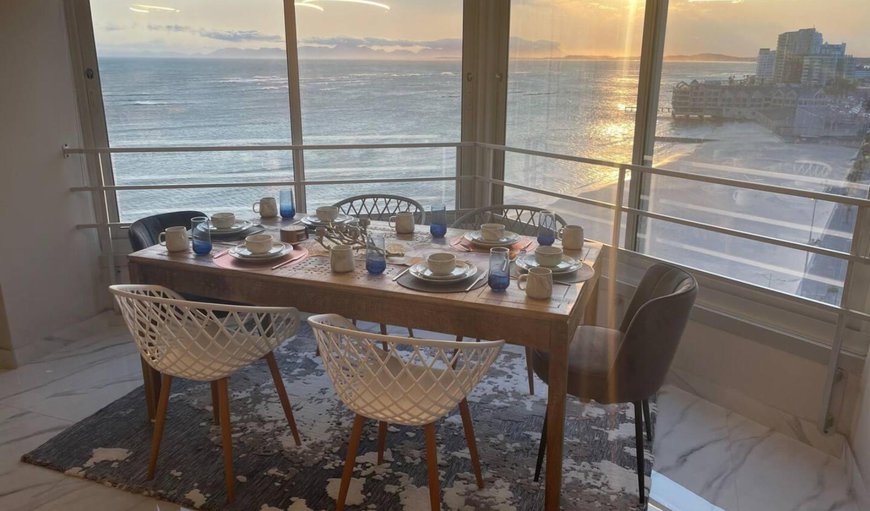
152	388
557	389
590	314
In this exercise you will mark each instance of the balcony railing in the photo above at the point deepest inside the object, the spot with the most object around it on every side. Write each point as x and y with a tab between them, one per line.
485	184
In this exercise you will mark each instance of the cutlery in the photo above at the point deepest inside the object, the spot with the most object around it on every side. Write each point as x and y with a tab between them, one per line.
460	246
285	263
526	245
482	276
401	273
221	253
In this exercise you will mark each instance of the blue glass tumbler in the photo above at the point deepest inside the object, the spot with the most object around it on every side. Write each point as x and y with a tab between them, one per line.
438	225
376	256
499	268
200	231
288	207
546	228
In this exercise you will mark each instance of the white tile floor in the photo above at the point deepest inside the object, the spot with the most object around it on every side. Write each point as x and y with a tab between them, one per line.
707	458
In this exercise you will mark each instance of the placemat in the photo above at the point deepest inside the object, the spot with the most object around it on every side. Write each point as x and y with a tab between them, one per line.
411	282
297	255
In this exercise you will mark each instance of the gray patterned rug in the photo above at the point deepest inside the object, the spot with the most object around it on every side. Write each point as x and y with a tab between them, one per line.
112	447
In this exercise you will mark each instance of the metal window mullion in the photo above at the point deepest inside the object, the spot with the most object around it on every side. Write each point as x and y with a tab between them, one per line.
649	82
295	99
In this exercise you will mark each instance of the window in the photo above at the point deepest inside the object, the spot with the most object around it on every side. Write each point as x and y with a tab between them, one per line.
380	74
748	92
572	89
193	73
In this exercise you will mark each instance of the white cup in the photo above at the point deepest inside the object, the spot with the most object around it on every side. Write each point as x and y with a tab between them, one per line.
267	207
441	263
327	213
539	283
223	220
492	232
258	243
572	237
404	222
548	256
341	258
174	239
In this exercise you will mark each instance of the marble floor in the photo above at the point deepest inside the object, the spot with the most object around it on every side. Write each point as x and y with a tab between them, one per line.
707	458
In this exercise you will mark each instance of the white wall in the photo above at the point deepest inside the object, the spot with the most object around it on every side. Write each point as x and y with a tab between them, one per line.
860	442
48	270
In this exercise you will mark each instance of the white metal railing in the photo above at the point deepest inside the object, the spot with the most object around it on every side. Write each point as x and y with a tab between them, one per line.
485	176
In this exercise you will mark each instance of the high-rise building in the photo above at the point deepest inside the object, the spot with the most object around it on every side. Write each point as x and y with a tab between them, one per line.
791	47
765	63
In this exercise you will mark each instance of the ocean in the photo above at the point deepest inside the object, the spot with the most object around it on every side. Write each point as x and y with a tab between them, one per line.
564	106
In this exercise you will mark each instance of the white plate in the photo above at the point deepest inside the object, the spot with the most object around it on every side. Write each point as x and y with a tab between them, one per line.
235	229
567	265
507	240
313	221
278	249
463	270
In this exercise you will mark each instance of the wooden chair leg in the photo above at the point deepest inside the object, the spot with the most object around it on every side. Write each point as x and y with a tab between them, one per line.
385	345
638	432
159	421
282	395
432	462
352	447
382	440
226	437
468	426
410	332
215	403
542	449
647	421
531	371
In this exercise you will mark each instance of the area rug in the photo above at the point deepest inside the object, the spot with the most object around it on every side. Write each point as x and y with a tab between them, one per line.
112	447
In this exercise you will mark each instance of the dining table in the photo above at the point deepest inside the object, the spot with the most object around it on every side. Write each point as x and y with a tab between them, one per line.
311	286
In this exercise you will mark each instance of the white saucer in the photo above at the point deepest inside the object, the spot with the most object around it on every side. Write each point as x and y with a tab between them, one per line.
567	265
278	249
463	270
235	229
313	221
476	237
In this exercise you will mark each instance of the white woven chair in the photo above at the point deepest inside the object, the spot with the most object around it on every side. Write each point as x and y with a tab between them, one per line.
413	382
204	342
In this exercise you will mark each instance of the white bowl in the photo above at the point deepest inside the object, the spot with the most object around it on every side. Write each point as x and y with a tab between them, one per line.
258	243
223	220
327	213
548	256
441	263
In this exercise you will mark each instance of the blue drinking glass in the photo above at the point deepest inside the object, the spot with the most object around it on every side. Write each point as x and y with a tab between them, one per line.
288	207
499	268
200	231
376	256
546	228
438	225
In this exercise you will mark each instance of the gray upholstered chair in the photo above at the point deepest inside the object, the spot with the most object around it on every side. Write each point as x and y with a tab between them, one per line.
381	206
519	219
629	365
143	233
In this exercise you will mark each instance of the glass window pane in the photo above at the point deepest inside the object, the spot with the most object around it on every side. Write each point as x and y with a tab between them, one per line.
572	89
193	73
782	104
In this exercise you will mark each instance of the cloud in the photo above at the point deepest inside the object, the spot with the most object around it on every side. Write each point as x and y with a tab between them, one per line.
220	35
377	47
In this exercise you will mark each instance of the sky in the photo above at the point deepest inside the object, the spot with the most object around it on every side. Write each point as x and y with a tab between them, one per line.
433	28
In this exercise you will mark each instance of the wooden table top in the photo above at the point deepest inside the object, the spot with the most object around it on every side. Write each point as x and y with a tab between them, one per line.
314	273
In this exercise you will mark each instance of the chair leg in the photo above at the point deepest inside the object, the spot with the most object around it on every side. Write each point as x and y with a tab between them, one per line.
159	422
226	438
215	405
410	332
542	449
382	440
459	338
468	426
530	370
638	432
646	420
282	395
384	344
432	462
352	447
